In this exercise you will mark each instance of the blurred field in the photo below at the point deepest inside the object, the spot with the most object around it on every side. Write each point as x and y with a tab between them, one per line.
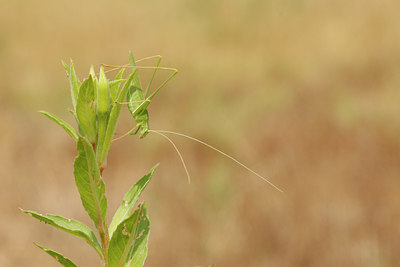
305	92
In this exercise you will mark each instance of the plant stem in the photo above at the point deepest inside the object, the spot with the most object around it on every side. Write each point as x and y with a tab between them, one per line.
105	240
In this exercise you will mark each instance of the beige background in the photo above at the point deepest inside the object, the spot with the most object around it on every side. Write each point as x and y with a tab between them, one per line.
305	92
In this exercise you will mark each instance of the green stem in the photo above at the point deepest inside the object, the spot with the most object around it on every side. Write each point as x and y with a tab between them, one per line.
105	241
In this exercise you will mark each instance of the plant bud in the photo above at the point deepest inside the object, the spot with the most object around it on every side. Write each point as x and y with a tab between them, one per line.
103	95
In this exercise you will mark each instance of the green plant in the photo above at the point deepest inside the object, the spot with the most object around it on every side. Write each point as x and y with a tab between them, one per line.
97	103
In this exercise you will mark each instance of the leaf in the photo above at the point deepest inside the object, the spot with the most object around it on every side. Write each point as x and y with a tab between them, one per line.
70	226
122	240
60	258
73	81
138	254
114	88
129	201
128	244
85	109
114	85
68	128
90	185
93	74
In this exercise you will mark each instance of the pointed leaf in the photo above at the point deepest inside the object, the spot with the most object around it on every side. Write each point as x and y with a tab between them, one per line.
73	81
129	201
129	242
68	128
138	253
114	85
60	258
93	74
70	226
85	109
90	184
122	240
67	68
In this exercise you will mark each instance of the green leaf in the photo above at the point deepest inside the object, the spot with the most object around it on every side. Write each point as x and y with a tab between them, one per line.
85	110
138	253
121	242
90	185
114	85
67	68
70	226
128	244
129	201
60	258
68	128
73	81
93	74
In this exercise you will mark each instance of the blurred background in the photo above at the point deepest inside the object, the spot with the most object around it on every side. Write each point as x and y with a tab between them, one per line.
305	92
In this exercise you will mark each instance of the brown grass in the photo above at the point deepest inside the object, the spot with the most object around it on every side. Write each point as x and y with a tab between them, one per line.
305	92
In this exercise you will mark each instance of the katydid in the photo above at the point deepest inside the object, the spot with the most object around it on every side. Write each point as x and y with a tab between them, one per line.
138	102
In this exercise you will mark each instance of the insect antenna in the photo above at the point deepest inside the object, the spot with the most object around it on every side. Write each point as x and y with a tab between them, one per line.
168	139
177	151
222	153
150	57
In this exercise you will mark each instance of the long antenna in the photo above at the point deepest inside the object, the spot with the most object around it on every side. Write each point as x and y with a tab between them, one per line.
176	149
223	153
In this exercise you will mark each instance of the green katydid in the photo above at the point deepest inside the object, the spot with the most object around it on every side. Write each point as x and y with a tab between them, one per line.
138	102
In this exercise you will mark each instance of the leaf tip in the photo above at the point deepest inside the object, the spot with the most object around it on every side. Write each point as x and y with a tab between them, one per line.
155	167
